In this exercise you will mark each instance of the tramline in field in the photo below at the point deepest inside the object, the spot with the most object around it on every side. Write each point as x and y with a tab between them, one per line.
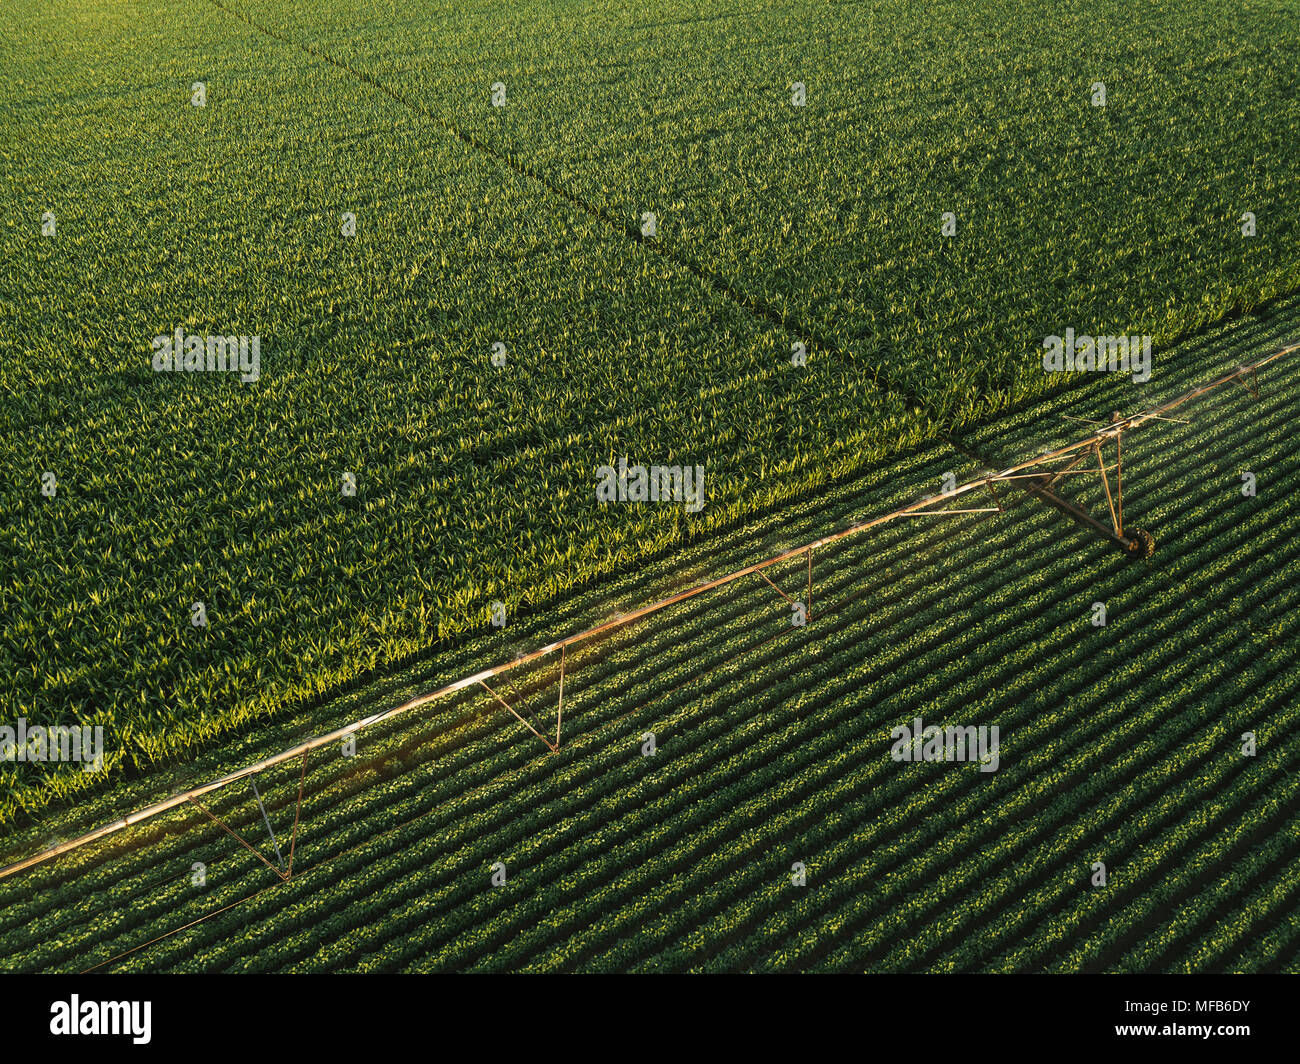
1037	476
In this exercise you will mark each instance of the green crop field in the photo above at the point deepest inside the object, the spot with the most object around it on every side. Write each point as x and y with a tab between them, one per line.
482	250
1119	744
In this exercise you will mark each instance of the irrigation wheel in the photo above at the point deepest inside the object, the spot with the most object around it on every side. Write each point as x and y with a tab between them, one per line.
1142	544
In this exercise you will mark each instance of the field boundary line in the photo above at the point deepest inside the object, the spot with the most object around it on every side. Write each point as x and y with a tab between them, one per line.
718	284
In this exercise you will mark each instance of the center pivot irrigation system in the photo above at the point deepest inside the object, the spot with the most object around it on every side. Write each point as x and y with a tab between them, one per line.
1037	476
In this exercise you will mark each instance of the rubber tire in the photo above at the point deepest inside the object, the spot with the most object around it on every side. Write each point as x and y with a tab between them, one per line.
1143	544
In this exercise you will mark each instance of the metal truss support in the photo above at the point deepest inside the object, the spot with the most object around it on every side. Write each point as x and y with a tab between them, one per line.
1136	543
808	600
284	874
